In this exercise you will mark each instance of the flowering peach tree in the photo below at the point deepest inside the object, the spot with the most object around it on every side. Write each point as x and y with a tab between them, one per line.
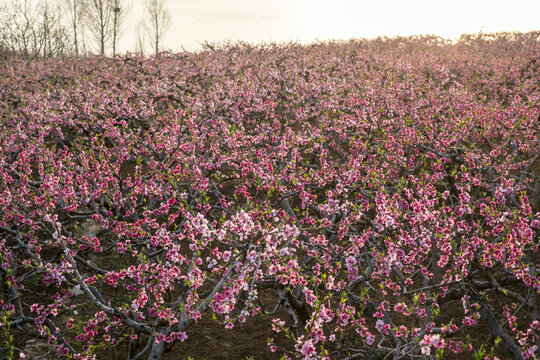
384	194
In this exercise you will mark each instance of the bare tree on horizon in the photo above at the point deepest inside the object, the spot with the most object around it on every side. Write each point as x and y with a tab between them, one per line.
99	21
53	34
120	11
75	11
158	21
140	40
31	30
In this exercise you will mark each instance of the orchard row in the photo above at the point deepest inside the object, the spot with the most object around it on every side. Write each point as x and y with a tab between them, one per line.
368	199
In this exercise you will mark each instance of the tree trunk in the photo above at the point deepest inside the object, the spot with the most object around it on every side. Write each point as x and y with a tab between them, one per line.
157	351
497	331
115	25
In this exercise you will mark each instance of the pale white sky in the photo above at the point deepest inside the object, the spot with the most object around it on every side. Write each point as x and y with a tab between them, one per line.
255	21
195	21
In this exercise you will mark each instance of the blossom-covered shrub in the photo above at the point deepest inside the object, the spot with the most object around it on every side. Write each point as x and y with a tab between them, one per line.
386	192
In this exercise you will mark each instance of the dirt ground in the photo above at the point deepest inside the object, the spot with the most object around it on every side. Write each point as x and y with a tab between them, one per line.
209	340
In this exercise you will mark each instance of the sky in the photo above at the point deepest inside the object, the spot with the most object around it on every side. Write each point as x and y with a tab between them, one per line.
255	21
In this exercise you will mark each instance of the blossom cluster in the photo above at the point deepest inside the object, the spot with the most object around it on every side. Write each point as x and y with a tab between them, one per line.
383	194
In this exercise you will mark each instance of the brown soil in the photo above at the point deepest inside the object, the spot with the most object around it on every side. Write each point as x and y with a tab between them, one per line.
209	340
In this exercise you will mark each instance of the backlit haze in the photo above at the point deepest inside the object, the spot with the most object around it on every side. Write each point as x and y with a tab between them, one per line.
255	21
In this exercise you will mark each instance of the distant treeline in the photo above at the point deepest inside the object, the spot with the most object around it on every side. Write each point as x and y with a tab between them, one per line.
33	29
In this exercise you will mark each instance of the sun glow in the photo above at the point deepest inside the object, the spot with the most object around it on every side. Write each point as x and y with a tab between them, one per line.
197	21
